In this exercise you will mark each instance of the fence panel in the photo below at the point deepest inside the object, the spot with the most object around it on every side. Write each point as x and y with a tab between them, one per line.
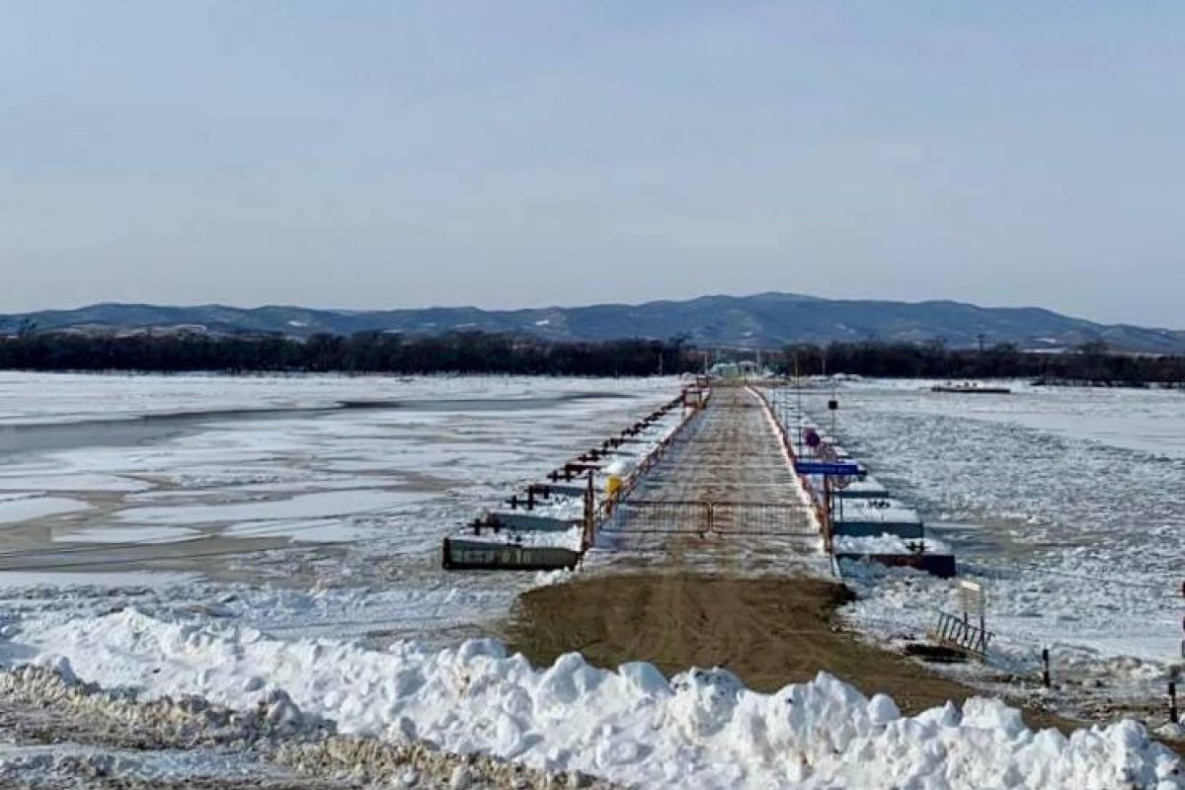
761	518
658	517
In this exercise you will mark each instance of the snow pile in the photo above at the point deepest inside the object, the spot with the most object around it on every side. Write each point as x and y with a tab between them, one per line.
561	508
621	467
886	543
373	763
66	765
166	739
571	538
186	722
885	511
700	729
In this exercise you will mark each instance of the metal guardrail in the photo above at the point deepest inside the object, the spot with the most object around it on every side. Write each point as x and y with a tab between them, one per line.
822	509
601	514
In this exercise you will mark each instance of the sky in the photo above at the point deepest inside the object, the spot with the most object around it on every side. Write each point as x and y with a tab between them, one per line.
399	153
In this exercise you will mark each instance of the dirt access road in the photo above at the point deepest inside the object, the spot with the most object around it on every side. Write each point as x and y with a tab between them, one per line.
768	631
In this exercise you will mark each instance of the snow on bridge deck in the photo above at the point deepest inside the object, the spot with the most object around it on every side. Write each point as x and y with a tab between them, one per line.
723	497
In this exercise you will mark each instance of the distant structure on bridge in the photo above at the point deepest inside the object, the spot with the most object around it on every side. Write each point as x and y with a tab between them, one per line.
737	371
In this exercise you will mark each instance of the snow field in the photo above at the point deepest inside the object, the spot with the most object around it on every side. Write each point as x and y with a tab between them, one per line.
700	729
73	398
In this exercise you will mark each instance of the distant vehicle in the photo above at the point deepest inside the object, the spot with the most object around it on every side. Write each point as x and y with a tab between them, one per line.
969	387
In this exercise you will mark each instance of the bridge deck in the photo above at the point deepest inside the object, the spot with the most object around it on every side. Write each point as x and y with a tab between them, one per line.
723	497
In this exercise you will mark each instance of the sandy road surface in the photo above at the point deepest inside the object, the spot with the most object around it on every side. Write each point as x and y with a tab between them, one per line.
768	631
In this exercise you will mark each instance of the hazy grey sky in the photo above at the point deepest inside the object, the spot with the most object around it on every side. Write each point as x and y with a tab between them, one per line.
395	153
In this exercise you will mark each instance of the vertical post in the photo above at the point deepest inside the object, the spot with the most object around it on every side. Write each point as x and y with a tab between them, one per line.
828	542
1174	717
589	513
1046	680
798	404
833	407
983	616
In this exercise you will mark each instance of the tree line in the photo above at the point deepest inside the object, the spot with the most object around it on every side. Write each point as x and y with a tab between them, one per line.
485	353
1090	363
363	353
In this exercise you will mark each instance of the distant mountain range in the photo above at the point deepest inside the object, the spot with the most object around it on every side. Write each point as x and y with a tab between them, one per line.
767	320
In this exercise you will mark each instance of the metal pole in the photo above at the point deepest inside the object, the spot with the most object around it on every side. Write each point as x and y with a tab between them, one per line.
834	411
589	513
828	526
798	389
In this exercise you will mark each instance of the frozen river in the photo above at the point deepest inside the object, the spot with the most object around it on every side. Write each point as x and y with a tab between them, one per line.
316	505
305	505
1067	503
246	539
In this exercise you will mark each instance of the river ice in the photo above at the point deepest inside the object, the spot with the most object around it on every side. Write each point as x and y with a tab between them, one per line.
1065	503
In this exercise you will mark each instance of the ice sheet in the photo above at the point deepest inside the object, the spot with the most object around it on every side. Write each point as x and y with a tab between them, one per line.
40	581
35	480
334	530
117	534
17	509
320	505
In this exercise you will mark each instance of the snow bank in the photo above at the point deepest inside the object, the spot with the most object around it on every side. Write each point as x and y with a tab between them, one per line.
884	511
701	729
185	723
885	543
188	741
568	539
562	508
